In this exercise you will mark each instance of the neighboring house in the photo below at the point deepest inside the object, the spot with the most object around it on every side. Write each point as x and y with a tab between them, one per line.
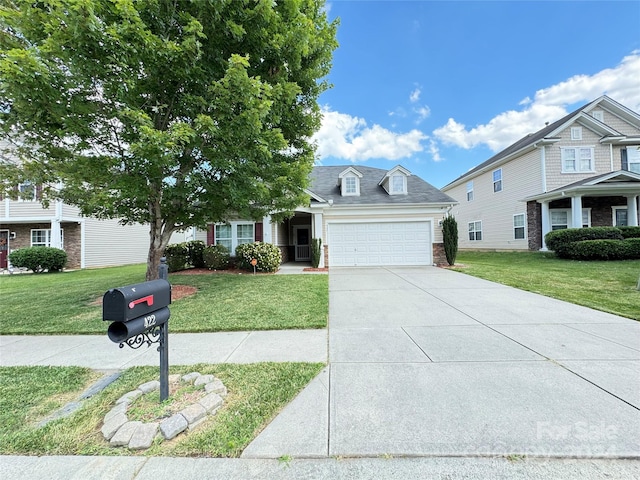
364	216
89	242
580	171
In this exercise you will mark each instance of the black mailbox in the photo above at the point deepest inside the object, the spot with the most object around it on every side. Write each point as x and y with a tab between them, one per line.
128	303
121	331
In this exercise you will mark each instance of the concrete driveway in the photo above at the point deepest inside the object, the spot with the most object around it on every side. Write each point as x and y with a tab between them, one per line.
426	361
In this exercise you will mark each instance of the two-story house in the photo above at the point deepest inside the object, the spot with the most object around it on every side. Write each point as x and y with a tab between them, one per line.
580	171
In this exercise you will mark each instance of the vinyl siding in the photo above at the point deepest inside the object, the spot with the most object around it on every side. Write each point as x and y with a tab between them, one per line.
520	177
109	243
619	124
33	210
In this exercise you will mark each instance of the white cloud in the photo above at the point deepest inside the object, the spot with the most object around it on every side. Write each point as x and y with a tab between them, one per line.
434	150
414	96
350	138
422	112
548	105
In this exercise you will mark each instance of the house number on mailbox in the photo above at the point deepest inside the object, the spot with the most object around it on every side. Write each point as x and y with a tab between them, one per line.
149	321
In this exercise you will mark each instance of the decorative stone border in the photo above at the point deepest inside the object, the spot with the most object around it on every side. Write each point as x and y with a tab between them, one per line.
119	431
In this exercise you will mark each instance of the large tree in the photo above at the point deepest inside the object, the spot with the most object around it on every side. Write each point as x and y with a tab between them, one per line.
172	113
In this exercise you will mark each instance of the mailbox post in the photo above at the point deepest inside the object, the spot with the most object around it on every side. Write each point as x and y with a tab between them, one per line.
139	314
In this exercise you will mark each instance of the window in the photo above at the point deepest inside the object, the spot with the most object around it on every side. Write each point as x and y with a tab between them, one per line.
42	238
475	231
469	191
497	180
234	234
26	192
351	186
398	184
598	115
561	219
620	217
577	159
518	226
576	133
633	159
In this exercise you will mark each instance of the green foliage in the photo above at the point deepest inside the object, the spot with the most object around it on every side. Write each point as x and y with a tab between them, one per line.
603	249
216	257
316	251
450	238
196	249
177	256
172	114
268	256
630	232
557	240
39	259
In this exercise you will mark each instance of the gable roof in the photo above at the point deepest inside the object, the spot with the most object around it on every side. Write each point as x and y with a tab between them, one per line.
324	185
547	135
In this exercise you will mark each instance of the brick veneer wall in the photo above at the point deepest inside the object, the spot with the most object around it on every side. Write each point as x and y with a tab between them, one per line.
534	225
439	256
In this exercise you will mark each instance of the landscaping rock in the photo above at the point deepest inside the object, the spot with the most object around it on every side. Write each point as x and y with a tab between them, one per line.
211	402
190	377
193	413
143	436
216	386
119	408
173	425
129	397
124	434
110	428
149	386
204	379
174	378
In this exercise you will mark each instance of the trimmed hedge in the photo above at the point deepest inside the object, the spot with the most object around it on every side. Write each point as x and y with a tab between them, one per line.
267	255
604	249
39	259
630	232
557	239
216	257
177	256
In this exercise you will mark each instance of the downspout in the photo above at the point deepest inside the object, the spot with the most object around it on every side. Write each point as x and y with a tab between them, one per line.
83	237
611	155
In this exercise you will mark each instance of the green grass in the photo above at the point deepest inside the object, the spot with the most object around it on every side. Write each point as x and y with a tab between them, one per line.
607	286
257	392
64	303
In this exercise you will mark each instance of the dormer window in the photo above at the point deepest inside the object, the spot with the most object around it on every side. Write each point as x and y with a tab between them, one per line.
350	182
395	181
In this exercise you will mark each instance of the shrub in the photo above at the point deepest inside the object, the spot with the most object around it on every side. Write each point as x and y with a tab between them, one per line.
560	240
603	249
630	232
216	257
39	259
267	255
177	256
316	251
450	238
195	249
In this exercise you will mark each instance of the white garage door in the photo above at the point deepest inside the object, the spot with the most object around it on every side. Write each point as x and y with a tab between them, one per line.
373	244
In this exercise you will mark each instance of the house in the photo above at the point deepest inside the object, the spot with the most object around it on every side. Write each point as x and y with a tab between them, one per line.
364	216
580	171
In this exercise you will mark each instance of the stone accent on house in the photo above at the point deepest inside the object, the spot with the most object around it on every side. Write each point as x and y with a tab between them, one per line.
534	225
72	240
439	257
326	256
136	435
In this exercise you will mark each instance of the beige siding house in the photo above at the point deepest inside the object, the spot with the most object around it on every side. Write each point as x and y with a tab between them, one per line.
582	170
364	216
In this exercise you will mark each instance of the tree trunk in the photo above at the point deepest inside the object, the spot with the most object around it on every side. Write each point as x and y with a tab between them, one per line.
159	236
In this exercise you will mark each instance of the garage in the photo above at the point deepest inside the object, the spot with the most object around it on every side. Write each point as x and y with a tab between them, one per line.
379	243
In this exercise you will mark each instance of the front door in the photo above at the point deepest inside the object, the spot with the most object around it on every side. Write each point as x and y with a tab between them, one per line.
4	248
303	245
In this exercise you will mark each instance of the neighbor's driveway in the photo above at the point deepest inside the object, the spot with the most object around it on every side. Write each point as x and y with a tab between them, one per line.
426	361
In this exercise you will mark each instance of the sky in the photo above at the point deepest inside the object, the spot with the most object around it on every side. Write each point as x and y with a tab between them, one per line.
441	86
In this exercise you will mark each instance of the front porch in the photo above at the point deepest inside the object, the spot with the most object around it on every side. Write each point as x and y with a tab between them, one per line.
294	235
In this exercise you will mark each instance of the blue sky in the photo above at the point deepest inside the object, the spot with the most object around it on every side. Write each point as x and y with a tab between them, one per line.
439	87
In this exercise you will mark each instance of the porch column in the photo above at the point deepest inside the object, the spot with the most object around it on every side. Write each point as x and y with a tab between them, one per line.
316	232
546	225
576	211
266	229
632	210
55	227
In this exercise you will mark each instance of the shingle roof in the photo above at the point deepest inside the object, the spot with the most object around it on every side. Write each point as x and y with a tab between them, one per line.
324	183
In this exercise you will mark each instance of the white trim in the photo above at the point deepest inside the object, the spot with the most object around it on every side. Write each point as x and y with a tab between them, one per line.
524	226
475	231
576	133
403	191
614	210
301	255
577	159
234	233
83	244
543	167
598	115
500	180
470	191
344	190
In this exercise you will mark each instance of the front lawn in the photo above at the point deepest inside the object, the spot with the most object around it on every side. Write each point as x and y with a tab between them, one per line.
257	393
66	303
607	286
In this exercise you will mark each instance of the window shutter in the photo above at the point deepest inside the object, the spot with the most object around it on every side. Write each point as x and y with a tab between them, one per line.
258	232
211	234
623	156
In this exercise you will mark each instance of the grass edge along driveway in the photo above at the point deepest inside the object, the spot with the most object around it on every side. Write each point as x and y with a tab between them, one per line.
607	286
68	302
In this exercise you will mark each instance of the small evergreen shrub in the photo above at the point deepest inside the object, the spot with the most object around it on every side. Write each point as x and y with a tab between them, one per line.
268	256
177	256
216	257
603	249
316	251
195	249
630	232
450	238
39	259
